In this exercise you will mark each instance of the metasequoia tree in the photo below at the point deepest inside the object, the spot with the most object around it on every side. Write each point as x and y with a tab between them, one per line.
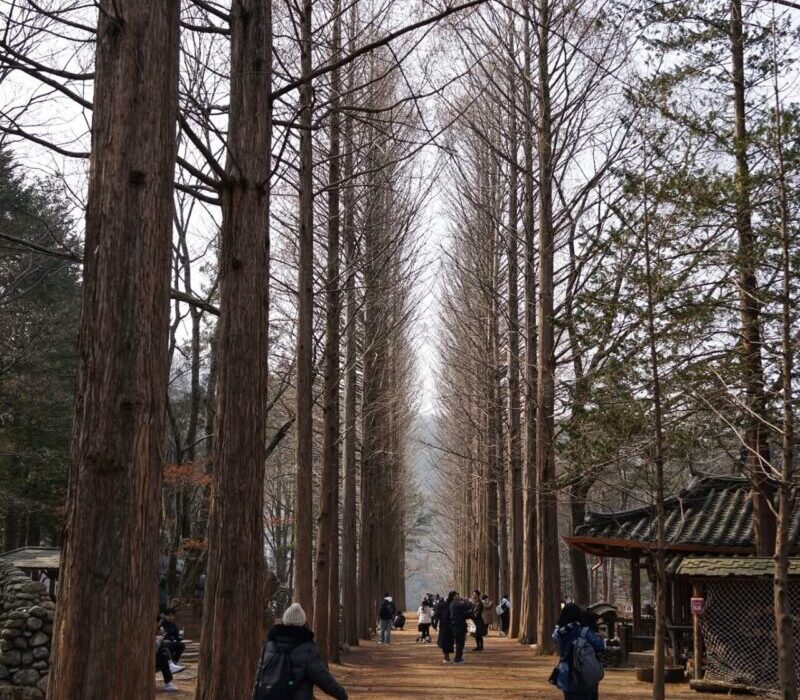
303	516
235	583
113	499
326	573
349	578
514	410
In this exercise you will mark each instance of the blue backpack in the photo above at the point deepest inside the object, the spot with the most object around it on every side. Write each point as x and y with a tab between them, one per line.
587	671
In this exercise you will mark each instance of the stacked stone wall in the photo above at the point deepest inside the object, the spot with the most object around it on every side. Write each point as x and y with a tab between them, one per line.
26	628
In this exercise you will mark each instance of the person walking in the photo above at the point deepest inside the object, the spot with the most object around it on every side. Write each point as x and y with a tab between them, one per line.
574	639
386	615
460	612
306	669
504	611
424	613
445	637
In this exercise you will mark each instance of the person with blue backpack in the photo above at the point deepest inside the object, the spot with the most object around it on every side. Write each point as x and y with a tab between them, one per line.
579	671
291	665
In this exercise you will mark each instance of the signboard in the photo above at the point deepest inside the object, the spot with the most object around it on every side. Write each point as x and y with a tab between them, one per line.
698	606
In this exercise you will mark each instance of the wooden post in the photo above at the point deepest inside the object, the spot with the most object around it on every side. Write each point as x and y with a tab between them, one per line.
697	592
636	594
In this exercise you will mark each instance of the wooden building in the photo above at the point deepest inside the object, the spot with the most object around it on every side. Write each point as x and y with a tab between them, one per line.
734	635
711	518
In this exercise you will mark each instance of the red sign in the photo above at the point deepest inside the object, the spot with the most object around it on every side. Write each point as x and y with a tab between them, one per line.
698	605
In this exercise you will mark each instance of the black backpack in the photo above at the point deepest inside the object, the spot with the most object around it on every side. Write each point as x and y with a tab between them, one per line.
275	680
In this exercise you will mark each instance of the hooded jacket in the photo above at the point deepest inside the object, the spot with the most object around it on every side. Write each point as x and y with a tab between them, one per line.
308	668
388	609
565	637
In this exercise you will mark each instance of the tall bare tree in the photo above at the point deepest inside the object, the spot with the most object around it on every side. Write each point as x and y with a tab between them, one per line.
236	575
303	505
110	556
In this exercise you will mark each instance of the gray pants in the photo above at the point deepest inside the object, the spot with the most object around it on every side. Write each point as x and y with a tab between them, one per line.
386	631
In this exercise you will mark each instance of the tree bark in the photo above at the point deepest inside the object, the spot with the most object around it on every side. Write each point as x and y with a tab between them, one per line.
787	672
658	460
303	503
756	436
236	572
349	516
326	576
514	410
530	579
110	555
549	570
580	572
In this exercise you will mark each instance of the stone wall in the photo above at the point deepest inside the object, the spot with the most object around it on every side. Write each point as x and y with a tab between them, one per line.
26	627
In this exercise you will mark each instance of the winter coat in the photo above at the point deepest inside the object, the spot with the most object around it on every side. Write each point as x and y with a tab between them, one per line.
566	636
460	612
445	639
387	610
308	668
424	614
171	631
478	611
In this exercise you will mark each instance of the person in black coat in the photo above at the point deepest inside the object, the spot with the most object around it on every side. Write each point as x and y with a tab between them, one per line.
172	636
445	638
460	612
308	668
477	614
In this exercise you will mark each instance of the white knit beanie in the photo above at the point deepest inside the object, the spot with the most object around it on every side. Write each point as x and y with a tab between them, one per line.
294	615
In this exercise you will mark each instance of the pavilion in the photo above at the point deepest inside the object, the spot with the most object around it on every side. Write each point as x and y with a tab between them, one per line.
712	518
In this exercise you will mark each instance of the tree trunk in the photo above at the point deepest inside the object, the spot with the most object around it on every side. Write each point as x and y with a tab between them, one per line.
661	575
236	572
349	516
783	612
530	579
549	570
756	437
326	576
303	502
514	418
368	581
110	555
580	572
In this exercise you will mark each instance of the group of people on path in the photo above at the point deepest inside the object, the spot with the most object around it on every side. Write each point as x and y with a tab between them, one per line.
291	665
453	615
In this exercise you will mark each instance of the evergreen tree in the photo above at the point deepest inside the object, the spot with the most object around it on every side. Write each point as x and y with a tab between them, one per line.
39	302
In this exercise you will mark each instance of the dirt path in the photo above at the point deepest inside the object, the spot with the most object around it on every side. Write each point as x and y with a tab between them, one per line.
505	669
404	670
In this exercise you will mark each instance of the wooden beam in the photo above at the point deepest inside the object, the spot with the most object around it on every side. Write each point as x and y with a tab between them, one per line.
697	635
636	593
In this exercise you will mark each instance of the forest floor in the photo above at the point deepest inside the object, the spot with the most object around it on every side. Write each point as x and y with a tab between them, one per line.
404	670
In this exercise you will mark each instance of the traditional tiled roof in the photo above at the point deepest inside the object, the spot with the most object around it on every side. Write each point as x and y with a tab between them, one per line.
715	513
44	558
714	567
